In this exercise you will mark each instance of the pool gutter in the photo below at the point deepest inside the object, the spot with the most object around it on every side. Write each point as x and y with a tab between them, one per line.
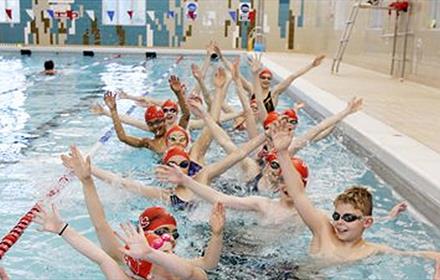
410	167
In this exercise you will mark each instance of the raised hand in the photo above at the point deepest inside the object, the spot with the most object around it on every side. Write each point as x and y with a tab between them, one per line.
217	220
49	221
217	50
255	63
298	105
354	105
175	84
110	100
170	174
220	77
97	109
136	243
317	61
75	161
437	271
235	70
280	135
399	208
196	107
196	72
210	48
195	97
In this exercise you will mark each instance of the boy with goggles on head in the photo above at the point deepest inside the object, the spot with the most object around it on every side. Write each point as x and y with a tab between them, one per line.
336	240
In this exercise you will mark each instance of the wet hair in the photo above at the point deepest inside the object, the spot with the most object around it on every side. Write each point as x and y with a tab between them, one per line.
49	65
214	57
358	197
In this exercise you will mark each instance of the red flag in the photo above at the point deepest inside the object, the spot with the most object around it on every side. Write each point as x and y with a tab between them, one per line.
130	13
9	13
69	14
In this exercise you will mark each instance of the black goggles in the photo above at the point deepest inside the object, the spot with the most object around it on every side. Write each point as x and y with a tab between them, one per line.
347	217
182	164
162	231
171	110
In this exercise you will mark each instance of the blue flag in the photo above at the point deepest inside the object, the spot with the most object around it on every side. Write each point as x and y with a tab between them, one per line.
111	14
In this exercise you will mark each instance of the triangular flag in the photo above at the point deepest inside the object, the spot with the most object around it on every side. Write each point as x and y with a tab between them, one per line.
130	13
170	14
91	14
233	15
30	13
69	14
50	13
9	13
151	15
111	14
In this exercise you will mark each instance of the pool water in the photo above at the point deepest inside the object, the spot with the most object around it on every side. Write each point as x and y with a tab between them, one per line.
41	116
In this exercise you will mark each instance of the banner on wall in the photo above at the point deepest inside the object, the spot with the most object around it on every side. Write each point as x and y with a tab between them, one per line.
130	13
91	14
66	14
170	14
9	11
151	15
191	10
50	13
244	11
111	14
30	13
233	15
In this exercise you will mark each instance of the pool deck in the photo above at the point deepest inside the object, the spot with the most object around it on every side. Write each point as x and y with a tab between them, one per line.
399	127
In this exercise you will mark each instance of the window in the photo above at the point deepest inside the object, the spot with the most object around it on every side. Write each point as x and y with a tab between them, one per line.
9	11
124	12
435	14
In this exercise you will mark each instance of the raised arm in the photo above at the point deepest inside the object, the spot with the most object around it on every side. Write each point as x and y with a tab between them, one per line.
101	111
50	221
255	64
213	251
179	90
299	142
145	101
174	175
311	216
3	274
130	185
82	169
430	255
228	65
251	125
110	101
281	87
199	78
197	124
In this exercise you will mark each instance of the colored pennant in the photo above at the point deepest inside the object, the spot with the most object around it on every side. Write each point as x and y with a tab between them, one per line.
170	14
30	13
151	15
91	14
130	13
233	15
111	14
9	13
50	13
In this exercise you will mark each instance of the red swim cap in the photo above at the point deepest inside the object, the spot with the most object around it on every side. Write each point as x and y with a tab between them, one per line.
265	71
291	114
271	117
154	112
174	151
177	128
298	163
154	217
170	104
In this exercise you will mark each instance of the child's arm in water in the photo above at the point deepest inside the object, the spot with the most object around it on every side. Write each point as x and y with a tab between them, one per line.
50	221
82	169
138	248
137	142
179	90
281	87
101	111
173	174
312	217
214	249
299	142
130	185
3	274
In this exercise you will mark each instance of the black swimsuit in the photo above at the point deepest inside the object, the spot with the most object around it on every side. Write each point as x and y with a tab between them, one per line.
268	102
178	203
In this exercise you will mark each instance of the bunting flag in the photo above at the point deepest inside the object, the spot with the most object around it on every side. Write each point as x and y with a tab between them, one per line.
30	13
50	13
9	13
111	14
130	13
91	14
69	15
151	15
233	15
170	14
